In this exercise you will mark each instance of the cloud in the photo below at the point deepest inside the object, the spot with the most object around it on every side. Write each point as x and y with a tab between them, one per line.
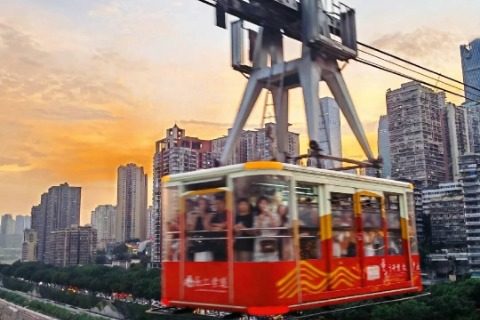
72	113
419	43
17	41
13	168
133	20
7	160
432	48
207	123
67	115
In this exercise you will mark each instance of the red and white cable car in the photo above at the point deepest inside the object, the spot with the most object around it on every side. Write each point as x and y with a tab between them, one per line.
266	238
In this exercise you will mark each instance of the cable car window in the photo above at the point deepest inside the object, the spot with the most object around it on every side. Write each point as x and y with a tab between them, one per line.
394	233
262	222
343	224
308	218
170	214
373	236
218	182
206	224
412	226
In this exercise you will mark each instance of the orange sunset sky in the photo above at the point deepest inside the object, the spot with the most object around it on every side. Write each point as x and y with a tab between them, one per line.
86	86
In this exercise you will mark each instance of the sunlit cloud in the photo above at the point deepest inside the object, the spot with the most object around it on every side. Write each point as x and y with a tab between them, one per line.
14	168
87	86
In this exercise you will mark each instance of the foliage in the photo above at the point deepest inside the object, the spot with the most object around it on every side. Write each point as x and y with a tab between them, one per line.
17	285
45	308
80	300
137	280
13	298
121	251
448	301
412	310
101	259
133	311
84	301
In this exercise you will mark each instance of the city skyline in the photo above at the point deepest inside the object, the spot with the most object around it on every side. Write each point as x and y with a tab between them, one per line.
82	85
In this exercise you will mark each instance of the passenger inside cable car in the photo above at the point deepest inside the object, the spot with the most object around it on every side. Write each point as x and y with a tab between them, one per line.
218	226
197	223
206	218
268	237
244	243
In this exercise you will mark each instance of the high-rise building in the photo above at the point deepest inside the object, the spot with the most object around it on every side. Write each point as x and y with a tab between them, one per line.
8	238
8	224
421	222
103	220
331	119
22	223
19	224
180	153
384	146
416	134
472	119
443	206
175	153
131	203
470	55
59	208
456	140
244	150
255	145
150	223
29	245
71	246
470	178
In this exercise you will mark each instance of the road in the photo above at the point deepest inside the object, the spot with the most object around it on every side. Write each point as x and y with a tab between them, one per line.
10	311
62	305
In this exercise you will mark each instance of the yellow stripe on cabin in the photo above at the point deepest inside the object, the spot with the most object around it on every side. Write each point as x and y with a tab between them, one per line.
326	227
263	165
404	224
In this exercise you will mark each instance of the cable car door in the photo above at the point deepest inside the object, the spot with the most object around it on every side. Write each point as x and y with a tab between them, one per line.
206	226
345	271
372	229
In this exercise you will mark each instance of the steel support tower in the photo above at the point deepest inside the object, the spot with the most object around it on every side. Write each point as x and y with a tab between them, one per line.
327	33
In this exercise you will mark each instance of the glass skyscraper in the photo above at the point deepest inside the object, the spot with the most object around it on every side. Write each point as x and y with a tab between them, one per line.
331	119
384	146
470	54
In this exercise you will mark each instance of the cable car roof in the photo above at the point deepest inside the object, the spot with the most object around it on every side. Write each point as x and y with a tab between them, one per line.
212	173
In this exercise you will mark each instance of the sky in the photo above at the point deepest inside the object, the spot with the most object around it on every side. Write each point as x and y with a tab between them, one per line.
86	86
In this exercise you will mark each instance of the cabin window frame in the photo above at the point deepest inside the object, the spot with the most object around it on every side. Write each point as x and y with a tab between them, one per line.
285	234
342	232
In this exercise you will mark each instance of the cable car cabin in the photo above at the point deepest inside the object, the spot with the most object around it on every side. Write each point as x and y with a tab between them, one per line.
267	238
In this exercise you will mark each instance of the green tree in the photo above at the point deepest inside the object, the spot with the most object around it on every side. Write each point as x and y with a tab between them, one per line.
411	310
121	251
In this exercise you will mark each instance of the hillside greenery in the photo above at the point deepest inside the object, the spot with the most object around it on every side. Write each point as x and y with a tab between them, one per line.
137	280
